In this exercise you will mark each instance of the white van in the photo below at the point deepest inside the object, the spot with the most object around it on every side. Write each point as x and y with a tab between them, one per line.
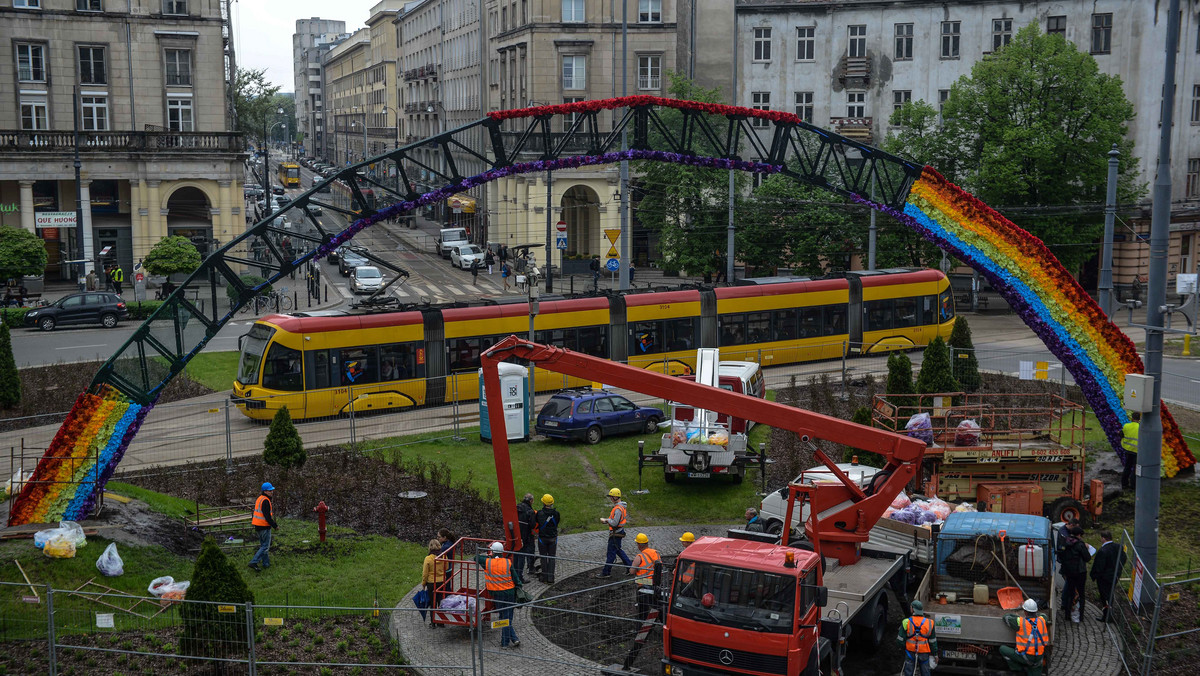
449	238
743	377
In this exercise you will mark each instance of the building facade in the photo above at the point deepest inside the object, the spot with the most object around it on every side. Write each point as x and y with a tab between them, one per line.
313	37
157	155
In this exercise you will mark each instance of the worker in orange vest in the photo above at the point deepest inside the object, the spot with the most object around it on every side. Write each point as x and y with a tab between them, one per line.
643	567
617	517
501	579
919	641
689	569
263	522
1033	633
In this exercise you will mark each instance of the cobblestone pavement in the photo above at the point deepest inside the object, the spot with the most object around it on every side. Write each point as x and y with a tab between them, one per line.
1082	650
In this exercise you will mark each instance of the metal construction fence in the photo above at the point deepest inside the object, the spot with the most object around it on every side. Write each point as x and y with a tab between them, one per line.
1153	621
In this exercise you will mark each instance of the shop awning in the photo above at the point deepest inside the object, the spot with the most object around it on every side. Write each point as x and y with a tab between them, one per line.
461	204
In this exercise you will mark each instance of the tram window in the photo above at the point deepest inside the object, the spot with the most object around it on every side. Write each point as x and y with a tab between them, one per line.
835	320
359	366
593	340
946	306
877	315
733	329
282	369
557	337
786	325
253	345
758	327
464	353
396	362
645	338
929	309
681	333
810	322
906	312
321	369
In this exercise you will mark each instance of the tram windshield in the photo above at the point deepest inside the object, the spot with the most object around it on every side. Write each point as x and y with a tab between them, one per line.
253	345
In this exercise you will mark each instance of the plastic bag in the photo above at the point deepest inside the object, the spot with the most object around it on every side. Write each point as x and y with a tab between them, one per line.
60	547
939	508
967	433
159	585
75	532
109	564
18	479
920	426
902	500
41	537
719	438
965	507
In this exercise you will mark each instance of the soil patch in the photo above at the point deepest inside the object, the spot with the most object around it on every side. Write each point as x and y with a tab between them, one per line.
364	493
134	523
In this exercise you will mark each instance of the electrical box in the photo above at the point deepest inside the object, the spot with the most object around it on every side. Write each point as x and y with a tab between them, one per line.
1139	392
1010	498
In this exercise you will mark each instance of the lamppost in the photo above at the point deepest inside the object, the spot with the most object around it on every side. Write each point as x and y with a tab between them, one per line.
397	142
267	155
356	123
442	161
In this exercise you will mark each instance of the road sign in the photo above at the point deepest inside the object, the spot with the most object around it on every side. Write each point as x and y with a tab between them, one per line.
613	265
561	226
613	253
560	242
613	234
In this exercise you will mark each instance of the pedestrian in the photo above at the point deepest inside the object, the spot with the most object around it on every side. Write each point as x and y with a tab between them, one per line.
753	524
643	567
1032	635
919	640
632	269
503	253
118	277
617	518
433	573
501	581
547	533
91	280
489	259
1129	443
594	266
263	522
1073	556
447	539
1106	565
505	273
475	271
108	274
526	522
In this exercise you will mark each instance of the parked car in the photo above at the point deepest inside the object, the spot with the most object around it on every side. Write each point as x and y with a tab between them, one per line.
448	238
591	415
462	256
365	279
251	191
106	309
276	190
314	209
349	260
773	508
328	171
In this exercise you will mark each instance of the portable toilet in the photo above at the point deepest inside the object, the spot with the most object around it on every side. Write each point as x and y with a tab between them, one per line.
514	389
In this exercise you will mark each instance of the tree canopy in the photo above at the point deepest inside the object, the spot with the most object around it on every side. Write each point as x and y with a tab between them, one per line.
171	255
21	253
1028	132
799	226
253	100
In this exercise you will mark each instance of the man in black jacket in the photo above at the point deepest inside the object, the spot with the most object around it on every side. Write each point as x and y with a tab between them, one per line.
526	521
547	528
1105	568
1073	557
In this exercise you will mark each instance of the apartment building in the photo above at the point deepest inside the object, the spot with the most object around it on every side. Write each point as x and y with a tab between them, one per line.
313	37
157	154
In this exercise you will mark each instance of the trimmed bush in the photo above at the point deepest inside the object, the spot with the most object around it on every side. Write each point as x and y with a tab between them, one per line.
207	632
142	309
10	380
900	380
936	374
14	317
283	447
172	255
966	366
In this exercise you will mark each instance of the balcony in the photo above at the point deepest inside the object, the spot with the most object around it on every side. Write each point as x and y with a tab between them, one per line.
654	83
858	128
120	141
429	70
855	72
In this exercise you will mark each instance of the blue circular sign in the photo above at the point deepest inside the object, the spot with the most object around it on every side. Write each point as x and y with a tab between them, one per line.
613	264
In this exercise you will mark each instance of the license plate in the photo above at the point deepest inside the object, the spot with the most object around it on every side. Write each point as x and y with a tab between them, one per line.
699	475
958	655
551	423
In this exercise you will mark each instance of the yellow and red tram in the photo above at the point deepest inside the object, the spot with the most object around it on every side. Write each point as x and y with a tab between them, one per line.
314	364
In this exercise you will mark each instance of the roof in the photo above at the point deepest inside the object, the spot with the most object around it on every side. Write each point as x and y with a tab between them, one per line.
295	324
1016	526
746	553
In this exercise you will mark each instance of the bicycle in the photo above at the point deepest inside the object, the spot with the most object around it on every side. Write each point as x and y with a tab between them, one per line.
277	300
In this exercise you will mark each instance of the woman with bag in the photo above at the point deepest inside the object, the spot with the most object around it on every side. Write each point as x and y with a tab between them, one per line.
505	273
433	573
489	259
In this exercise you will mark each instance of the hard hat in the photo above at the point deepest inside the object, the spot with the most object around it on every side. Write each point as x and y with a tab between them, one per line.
268	487
1030	606
547	499
497	547
614	493
918	607
642	539
687	537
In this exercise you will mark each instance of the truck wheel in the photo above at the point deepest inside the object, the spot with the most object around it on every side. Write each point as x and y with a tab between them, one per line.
1065	509
737	478
871	636
774	526
669	477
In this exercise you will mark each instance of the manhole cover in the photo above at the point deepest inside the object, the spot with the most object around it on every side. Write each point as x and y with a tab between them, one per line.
412	495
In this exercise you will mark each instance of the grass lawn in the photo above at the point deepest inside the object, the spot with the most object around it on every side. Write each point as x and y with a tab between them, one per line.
1177	531
214	370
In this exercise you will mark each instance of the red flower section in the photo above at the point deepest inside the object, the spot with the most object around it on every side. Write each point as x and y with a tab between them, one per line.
643	102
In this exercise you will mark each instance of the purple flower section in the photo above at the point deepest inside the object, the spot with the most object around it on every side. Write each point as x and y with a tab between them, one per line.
130	431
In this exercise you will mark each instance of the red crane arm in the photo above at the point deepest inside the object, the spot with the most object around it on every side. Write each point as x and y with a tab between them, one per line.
845	513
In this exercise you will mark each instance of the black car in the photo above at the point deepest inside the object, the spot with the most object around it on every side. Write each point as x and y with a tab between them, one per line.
350	259
277	190
80	308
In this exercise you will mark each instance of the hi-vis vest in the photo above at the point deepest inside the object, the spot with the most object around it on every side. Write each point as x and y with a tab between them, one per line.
118	275
617	509
644	565
1129	436
496	575
919	630
1031	636
259	518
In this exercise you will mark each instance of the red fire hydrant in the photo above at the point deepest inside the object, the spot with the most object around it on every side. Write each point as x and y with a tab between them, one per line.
320	509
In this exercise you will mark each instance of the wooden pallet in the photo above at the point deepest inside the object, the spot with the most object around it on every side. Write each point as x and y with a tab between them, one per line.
83	589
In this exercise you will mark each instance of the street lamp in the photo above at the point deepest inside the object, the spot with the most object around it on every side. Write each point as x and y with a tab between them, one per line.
429	108
397	142
267	155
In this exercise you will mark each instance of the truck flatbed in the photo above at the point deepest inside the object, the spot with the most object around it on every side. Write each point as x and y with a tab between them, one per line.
852	587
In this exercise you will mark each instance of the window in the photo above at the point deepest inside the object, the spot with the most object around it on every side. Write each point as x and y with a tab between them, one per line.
179	67
950	39
569	120
858	41
95	113
282	369
900	97
1056	25
572	11
904	41
31	63
806	43
91	66
33	116
1101	33
175	7
804	106
1001	33
649	11
856	104
650	72
667	335
574	69
359	366
762	44
399	361
760	101
88	6
1196	104
28	4
179	114
1193	177
943	96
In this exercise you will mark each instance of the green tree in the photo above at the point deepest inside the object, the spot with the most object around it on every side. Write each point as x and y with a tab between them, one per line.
900	383
791	224
283	446
687	206
936	375
171	255
10	379
966	365
253	100
1028	131
21	253
207	632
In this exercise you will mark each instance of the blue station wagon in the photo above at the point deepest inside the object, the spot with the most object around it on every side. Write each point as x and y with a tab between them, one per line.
591	415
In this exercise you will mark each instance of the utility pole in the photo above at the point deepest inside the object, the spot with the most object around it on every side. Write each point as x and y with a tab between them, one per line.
1110	215
729	229
872	233
623	262
81	276
549	235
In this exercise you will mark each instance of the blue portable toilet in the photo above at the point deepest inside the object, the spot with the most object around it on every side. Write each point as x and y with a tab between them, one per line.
514	389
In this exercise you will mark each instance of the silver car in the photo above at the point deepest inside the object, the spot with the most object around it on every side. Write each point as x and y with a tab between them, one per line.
365	279
463	255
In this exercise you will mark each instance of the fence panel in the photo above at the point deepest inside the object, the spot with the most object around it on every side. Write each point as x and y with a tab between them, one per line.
24	628
1133	610
1176	642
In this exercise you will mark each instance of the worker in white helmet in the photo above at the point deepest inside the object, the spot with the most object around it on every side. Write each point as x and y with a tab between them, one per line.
1033	633
501	579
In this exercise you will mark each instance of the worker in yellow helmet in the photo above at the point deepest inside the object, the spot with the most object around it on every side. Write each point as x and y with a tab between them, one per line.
547	533
616	520
688	573
643	567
